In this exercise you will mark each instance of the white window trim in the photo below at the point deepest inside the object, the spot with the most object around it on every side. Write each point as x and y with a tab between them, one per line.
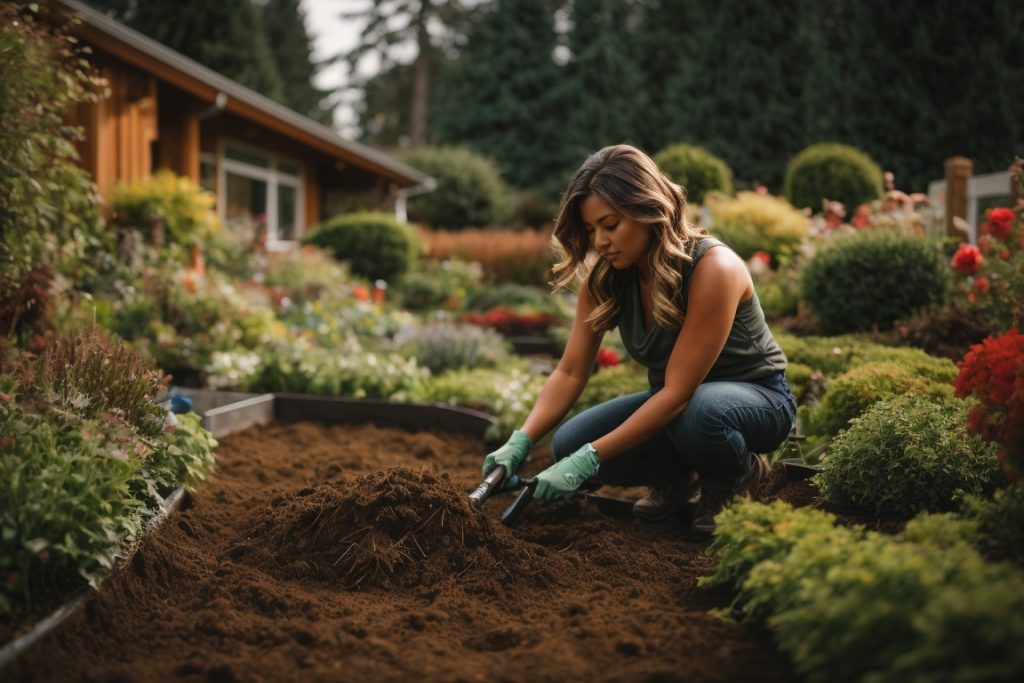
272	177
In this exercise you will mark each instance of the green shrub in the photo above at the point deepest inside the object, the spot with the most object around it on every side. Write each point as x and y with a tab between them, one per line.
941	529
853	392
445	346
696	169
444	283
1001	523
799	377
510	295
329	372
470	191
872	278
834	171
507	393
375	244
906	455
753	222
850	605
176	204
835	355
49	215
610	383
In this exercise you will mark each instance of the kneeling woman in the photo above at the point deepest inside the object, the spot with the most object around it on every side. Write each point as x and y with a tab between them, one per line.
686	309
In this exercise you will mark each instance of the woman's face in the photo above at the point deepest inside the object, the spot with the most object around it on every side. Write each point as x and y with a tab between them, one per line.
620	241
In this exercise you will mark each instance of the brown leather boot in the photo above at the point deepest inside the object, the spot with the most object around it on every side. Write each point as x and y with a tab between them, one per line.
757	485
674	502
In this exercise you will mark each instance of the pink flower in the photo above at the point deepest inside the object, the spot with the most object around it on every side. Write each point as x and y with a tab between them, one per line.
967	259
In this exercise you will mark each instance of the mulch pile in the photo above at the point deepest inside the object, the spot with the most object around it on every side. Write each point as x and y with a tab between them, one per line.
351	553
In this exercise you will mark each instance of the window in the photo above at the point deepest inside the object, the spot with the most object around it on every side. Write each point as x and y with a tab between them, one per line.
260	192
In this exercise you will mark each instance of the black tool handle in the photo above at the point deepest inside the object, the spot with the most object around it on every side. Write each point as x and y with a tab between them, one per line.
509	517
487	486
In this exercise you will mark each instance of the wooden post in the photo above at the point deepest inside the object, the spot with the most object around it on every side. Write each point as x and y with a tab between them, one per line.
1017	183
958	174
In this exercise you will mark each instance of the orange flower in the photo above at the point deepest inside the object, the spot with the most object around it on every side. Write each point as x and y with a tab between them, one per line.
360	293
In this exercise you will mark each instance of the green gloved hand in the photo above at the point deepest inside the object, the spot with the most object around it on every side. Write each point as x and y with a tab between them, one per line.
563	478
511	455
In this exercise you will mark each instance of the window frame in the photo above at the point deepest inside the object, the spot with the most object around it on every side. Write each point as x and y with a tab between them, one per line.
273	177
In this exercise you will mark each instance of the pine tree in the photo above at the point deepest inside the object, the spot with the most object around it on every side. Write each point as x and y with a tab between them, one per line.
603	77
431	25
227	36
291	50
506	103
666	47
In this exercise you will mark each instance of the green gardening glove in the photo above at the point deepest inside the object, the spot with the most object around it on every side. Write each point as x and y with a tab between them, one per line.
563	478
511	455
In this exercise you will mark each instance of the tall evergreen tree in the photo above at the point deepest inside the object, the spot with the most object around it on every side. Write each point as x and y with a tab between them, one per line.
744	96
291	50
508	103
666	47
227	36
391	25
602	77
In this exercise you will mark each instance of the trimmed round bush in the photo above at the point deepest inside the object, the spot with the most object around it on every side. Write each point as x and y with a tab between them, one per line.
470	191
851	394
375	244
839	172
871	279
907	455
696	169
753	222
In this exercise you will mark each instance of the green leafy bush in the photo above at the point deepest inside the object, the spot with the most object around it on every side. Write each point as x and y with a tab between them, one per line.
509	294
754	222
851	605
167	203
835	355
838	172
49	216
507	393
470	191
308	274
88	458
329	372
444	346
696	169
906	455
375	244
872	278
853	392
1001	523
610	383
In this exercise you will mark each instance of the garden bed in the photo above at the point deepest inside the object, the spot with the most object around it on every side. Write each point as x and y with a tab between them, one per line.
275	571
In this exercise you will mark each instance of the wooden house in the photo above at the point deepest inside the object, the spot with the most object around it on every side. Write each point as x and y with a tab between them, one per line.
266	164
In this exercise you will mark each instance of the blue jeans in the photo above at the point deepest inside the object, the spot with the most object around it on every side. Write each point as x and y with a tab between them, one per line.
723	425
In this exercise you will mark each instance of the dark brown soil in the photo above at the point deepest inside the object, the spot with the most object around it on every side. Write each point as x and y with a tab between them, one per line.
350	553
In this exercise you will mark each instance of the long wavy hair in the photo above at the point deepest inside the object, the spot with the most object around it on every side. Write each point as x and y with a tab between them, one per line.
635	188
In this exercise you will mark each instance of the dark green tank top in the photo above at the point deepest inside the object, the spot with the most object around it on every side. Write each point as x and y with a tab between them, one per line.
750	353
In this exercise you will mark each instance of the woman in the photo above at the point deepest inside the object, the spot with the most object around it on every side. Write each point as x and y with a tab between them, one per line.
686	309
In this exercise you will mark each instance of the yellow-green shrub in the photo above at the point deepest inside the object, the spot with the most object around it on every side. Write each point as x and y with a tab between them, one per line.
176	203
853	392
753	222
838	172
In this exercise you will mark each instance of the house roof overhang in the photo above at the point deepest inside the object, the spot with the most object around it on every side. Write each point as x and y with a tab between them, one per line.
110	36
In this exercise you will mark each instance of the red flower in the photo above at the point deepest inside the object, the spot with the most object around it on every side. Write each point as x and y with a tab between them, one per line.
764	257
999	223
967	259
981	284
985	245
606	358
360	293
1005	254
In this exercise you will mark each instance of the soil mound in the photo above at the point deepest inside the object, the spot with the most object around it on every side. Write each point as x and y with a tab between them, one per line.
394	528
